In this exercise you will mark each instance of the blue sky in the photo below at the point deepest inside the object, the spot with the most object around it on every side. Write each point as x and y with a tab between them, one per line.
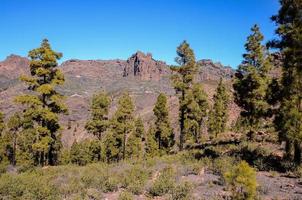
97	29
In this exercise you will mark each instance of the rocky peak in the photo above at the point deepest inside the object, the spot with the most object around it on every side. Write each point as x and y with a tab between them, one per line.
13	66
144	67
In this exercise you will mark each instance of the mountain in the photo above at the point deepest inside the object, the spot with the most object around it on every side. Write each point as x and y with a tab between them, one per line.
141	75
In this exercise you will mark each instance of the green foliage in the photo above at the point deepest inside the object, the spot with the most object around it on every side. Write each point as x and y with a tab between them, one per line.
289	115
98	123
135	179
14	125
134	143
27	186
124	195
242	182
182	191
111	147
219	113
122	126
44	104
164	183
85	152
252	80
3	142
196	110
151	147
163	131
183	81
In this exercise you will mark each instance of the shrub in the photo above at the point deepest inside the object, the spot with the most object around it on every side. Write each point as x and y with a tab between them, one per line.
182	191
110	184
164	183
135	179
222	164
27	186
241	181
125	196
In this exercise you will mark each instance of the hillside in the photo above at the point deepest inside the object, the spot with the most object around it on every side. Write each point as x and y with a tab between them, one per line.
141	75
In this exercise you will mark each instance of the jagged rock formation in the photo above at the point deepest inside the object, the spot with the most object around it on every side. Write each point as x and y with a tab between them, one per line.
145	67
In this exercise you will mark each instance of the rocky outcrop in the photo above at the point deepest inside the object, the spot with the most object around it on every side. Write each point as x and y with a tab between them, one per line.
145	67
208	70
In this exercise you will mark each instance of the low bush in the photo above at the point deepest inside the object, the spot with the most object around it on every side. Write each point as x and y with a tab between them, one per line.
241	181
164	183
124	195
135	179
182	191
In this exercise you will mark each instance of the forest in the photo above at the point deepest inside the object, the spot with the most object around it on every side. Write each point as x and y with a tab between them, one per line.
125	159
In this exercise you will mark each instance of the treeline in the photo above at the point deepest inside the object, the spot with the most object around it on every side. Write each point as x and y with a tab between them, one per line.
32	137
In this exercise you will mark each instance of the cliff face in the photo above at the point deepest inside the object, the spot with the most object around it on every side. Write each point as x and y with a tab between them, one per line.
145	67
141	75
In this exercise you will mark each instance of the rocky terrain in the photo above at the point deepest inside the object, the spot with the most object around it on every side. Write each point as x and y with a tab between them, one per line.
141	75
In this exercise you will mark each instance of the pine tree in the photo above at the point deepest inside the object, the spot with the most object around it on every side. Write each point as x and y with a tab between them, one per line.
163	131
98	123
252	80
134	143
183	82
289	116
123	124
219	113
14	126
151	146
3	156
44	103
111	147
197	111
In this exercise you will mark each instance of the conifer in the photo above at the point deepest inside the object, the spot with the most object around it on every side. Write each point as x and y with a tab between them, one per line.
14	126
288	120
151	146
219	113
252	80
134	143
123	123
98	123
183	81
163	131
44	103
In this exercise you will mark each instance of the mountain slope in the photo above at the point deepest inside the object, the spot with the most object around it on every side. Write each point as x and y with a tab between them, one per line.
141	75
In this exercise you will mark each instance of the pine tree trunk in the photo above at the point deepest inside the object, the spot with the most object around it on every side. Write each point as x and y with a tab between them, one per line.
297	153
14	150
124	145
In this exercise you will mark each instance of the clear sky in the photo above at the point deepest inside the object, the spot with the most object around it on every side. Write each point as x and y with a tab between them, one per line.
99	29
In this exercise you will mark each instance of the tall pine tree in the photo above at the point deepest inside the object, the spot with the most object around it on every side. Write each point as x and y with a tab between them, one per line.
219	114
252	80
98	123
163	131
123	124
14	126
134	142
44	103
289	116
183	81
